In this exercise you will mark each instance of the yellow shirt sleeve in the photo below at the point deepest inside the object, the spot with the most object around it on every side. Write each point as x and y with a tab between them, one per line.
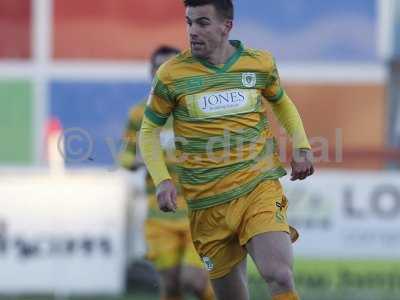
152	154
160	105
289	118
282	106
273	91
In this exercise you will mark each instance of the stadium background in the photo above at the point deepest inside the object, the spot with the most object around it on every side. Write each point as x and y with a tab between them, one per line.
85	63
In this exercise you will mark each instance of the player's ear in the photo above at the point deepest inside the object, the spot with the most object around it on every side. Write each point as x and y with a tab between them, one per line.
228	24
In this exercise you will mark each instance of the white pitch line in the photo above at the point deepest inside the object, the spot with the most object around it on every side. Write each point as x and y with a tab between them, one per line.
84	70
333	73
17	69
42	11
139	71
385	27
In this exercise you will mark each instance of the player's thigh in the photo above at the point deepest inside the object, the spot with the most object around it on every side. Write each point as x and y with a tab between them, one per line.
232	286
272	253
265	211
265	231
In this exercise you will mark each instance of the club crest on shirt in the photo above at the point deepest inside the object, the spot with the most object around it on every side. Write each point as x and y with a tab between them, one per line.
249	79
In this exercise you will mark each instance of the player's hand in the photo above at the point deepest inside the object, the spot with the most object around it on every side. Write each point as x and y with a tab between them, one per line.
301	164
166	196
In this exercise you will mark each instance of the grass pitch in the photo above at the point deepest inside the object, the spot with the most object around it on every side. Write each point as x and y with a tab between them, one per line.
315	279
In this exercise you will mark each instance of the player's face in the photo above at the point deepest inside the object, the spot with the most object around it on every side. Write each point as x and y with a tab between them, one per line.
159	60
207	30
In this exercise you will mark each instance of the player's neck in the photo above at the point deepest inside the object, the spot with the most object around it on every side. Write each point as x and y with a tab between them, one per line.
221	55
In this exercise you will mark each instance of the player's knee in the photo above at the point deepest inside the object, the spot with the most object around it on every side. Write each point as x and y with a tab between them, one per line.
194	280
190	284
282	276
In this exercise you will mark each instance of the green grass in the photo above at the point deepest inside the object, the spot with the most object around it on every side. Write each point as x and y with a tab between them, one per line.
339	280
315	279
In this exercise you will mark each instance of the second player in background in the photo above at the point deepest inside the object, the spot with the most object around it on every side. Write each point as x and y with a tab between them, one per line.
169	244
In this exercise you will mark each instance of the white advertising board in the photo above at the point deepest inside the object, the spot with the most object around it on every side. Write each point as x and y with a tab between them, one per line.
346	214
62	235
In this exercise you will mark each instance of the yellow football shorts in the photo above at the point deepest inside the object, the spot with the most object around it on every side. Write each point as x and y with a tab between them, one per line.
220	232
169	244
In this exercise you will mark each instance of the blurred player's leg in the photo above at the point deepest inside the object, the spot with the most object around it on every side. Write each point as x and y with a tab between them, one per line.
273	256
208	292
196	282
165	252
232	285
171	284
194	275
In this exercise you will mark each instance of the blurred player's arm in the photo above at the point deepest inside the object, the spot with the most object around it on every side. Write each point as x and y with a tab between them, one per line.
130	158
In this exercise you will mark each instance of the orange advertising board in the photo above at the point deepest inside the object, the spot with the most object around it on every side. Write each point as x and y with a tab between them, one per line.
116	30
15	29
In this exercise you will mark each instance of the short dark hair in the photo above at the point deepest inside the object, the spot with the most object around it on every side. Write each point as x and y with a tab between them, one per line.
223	7
163	50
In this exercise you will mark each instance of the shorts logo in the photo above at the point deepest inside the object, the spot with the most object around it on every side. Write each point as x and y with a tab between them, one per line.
208	263
249	79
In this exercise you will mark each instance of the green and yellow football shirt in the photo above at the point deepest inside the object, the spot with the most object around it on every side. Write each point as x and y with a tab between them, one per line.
224	143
